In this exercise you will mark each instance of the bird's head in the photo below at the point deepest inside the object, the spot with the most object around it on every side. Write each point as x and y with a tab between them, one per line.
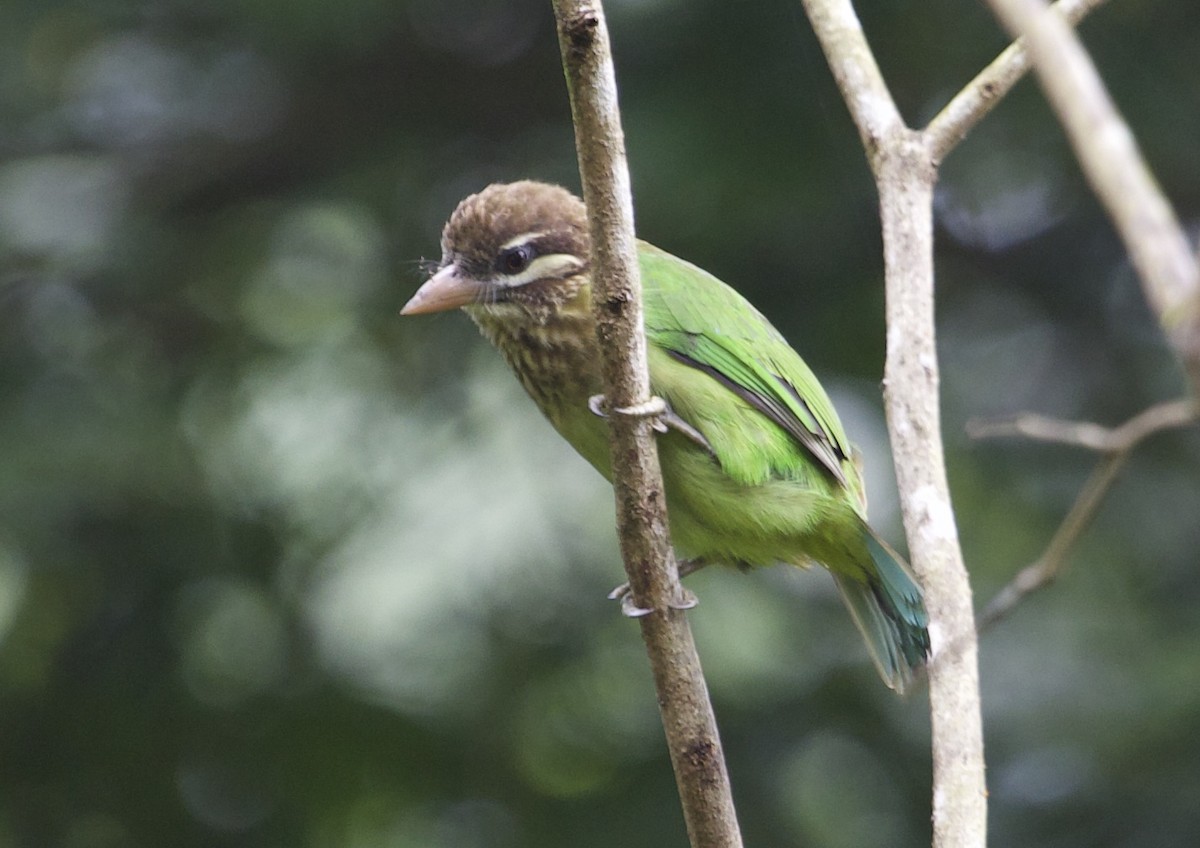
520	245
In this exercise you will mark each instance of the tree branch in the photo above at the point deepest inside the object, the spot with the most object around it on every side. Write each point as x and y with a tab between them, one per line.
1118	174
1085	434
911	384
683	699
1116	444
905	174
980	95
1046	568
905	167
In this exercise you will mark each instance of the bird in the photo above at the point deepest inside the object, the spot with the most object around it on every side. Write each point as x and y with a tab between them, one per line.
756	466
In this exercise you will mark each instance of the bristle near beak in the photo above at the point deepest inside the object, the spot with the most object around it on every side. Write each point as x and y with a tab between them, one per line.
447	289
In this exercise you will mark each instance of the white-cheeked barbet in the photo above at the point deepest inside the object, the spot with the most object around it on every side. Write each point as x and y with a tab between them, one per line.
757	468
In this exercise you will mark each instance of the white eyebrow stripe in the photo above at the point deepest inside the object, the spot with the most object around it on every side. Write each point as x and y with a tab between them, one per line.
524	238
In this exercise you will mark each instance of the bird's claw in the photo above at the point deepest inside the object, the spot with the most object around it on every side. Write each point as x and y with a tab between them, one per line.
654	408
628	608
619	592
663	418
687	600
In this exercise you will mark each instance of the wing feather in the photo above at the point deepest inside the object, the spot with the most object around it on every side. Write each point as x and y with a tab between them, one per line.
703	323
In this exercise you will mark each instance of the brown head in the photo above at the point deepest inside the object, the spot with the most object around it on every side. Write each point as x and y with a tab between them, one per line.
522	244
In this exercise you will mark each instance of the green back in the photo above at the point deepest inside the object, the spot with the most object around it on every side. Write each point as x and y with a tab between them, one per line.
706	325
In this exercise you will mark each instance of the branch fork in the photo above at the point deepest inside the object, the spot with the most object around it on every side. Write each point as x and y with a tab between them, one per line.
904	162
1115	446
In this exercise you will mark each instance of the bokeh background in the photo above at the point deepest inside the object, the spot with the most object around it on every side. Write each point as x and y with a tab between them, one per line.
278	568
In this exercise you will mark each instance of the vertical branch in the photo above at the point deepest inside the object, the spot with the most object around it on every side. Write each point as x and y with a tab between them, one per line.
911	383
687	715
905	172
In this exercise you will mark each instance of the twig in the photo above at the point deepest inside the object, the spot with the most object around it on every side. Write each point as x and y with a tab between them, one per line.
904	174
687	715
1046	568
1116	444
1114	166
1085	434
980	95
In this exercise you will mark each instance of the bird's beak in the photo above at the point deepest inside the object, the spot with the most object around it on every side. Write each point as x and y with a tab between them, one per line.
447	289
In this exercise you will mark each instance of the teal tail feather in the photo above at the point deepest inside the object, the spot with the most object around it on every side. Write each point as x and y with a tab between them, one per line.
889	610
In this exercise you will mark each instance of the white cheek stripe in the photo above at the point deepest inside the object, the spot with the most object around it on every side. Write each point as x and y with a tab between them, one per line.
543	267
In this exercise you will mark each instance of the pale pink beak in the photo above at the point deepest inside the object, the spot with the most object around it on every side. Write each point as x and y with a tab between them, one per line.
446	289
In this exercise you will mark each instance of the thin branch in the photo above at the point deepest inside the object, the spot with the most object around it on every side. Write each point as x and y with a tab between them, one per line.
905	174
980	95
1046	568
1085	434
687	715
1116	444
1114	166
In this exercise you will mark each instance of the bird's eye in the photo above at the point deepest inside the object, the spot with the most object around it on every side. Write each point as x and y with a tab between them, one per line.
514	260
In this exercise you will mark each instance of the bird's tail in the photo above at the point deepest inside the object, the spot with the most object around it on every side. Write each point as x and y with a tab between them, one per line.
889	610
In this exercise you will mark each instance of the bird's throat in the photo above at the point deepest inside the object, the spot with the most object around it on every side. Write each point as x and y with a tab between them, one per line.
553	352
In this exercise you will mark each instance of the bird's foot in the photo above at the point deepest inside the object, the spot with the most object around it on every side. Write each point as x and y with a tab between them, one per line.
653	408
687	600
663	418
628	608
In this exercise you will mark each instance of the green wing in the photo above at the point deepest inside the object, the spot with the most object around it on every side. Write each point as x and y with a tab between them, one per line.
704	324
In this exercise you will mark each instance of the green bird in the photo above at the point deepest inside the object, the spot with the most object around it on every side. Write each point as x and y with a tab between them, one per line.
756	466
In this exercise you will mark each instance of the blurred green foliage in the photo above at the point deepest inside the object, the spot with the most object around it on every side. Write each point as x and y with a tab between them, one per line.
280	569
